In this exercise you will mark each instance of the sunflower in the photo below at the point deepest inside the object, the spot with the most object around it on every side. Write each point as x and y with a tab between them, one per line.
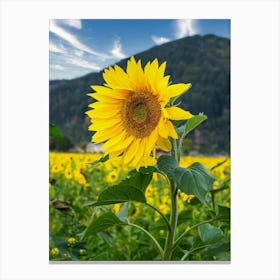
112	177
132	113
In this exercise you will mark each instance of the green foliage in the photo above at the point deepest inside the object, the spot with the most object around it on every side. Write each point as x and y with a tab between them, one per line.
55	133
193	122
102	223
57	141
119	194
192	180
209	234
102	235
102	159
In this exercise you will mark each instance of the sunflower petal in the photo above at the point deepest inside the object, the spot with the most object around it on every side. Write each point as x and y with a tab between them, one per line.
113	93
164	144
171	130
177	89
151	141
131	151
121	146
140	152
95	126
103	135
176	113
104	98
163	128
113	141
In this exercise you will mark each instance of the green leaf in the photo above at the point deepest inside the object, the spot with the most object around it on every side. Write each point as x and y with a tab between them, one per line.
167	165
218	249
223	212
120	194
194	180
218	164
106	237
102	159
102	223
180	130
123	213
131	189
209	234
177	123
54	132
140	179
193	122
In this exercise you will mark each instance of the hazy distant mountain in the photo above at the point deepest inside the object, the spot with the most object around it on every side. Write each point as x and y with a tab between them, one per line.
203	61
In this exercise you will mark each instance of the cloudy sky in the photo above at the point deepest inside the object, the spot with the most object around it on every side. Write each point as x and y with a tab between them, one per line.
78	47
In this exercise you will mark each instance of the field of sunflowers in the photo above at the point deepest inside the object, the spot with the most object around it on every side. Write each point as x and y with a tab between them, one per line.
75	183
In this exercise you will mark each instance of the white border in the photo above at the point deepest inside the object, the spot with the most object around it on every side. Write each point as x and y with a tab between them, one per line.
254	129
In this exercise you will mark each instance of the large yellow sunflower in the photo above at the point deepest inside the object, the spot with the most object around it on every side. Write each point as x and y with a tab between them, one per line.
131	114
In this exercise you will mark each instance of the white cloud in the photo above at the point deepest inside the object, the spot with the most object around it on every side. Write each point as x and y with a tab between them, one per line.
70	38
78	53
82	63
76	23
117	50
57	67
185	27
160	40
57	49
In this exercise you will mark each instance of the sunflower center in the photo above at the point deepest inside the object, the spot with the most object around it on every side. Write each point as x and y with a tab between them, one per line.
140	114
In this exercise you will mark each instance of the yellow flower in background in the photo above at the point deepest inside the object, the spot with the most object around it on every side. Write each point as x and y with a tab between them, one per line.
131	114
134	214
54	252
163	208
117	207
82	251
68	173
186	197
71	240
112	177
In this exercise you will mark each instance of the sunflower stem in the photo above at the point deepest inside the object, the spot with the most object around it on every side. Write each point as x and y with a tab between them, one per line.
150	235
173	209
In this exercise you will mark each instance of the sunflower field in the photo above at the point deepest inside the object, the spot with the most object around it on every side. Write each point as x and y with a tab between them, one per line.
76	180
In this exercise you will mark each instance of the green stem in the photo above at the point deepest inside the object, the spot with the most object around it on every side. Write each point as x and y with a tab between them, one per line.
179	239
173	222
173	208
157	210
150	235
180	144
174	151
193	250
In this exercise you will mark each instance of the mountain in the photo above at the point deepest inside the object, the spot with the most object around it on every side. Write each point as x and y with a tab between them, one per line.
203	61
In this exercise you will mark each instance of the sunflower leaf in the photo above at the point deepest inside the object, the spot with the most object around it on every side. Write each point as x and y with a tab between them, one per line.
100	224
102	159
140	179
209	234
194	180
167	165
119	194
55	133
123	213
193	122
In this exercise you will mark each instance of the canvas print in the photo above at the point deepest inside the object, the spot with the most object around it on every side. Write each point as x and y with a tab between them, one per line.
139	140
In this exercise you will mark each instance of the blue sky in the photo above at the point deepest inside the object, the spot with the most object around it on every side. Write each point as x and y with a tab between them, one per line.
78	47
